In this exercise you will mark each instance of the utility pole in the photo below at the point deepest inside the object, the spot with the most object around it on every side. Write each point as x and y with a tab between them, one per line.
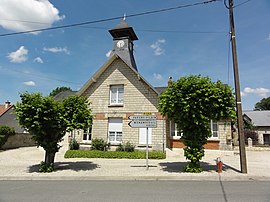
242	149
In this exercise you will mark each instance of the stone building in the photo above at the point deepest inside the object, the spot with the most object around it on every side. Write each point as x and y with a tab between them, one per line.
117	91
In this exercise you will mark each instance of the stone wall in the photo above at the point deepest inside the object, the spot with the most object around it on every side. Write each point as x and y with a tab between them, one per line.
19	140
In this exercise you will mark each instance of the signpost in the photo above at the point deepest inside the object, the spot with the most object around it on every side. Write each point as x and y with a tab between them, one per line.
144	121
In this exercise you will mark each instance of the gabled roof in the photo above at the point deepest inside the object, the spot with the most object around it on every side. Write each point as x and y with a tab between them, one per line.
9	118
64	94
103	68
259	118
161	89
3	109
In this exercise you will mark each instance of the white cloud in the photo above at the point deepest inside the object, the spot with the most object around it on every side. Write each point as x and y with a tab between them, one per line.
108	54
158	76
18	56
158	50
18	15
38	60
57	50
257	91
29	83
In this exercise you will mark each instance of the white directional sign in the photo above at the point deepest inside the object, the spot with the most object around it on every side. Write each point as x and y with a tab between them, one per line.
142	117
143	121
143	124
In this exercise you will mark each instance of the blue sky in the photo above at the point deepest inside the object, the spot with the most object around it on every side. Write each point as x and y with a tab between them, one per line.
192	40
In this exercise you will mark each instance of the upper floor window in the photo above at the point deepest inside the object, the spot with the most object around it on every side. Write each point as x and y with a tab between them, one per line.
214	128
117	94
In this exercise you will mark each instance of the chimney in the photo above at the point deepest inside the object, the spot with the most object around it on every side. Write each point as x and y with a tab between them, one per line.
7	104
170	82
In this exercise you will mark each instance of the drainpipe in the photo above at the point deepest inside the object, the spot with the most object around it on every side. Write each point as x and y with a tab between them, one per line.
163	137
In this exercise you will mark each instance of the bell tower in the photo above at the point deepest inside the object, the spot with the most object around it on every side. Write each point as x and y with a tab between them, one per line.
123	37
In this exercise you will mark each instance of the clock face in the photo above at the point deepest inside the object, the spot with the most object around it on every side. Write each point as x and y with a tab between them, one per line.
120	44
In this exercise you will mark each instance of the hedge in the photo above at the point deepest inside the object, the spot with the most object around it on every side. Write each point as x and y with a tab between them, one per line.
113	154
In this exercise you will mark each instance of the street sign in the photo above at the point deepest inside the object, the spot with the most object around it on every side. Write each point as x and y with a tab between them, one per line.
143	124
142	117
144	121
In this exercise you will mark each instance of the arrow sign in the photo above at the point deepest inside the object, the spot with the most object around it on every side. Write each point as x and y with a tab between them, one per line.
142	117
143	124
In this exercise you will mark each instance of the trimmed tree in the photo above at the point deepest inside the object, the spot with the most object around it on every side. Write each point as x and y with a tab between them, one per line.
192	102
48	120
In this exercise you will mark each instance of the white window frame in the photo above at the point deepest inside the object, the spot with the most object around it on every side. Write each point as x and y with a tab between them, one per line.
118	89
115	129
88	134
142	136
216	132
175	134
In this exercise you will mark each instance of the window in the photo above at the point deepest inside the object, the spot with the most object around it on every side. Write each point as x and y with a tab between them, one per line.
142	135
87	135
214	128
174	130
115	130
116	94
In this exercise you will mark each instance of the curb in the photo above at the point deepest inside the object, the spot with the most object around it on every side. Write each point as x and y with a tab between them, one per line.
218	177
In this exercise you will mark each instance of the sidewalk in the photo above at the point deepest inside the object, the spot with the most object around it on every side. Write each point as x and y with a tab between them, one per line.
22	164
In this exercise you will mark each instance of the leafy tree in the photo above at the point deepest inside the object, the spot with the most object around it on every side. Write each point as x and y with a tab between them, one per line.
58	90
48	120
264	104
5	132
192	102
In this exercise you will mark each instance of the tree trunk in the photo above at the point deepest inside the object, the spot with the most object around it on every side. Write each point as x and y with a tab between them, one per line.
49	157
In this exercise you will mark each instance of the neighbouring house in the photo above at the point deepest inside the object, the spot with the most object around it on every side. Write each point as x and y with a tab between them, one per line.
8	117
117	91
261	123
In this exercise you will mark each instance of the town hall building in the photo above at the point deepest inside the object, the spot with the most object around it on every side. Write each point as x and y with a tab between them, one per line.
117	91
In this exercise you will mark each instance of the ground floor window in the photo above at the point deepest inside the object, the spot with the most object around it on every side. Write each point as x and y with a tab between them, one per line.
87	135
214	128
266	139
115	130
174	130
142	135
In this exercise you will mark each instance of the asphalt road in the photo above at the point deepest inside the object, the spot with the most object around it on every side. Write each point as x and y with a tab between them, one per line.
129	191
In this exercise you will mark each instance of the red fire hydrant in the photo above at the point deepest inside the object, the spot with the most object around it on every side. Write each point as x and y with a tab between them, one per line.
219	165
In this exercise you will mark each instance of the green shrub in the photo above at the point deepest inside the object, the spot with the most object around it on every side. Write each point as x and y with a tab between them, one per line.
120	148
5	132
113	154
128	147
74	145
46	168
100	144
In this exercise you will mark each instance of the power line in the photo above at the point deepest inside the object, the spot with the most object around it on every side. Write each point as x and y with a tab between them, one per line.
164	31
110	19
240	4
39	76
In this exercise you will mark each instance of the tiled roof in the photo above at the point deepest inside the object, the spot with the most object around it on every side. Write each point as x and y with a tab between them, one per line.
160	89
259	118
64	94
3	109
